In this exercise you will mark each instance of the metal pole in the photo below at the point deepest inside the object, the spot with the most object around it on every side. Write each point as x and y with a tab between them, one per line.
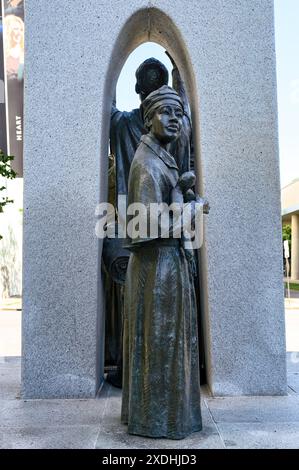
288	278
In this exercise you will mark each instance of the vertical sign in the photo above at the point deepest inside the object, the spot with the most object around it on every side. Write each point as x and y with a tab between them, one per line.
13	35
3	145
287	256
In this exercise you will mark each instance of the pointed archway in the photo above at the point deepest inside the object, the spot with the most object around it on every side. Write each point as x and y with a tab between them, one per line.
155	26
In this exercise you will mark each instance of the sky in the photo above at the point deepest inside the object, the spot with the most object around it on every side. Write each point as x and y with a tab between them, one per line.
287	57
126	97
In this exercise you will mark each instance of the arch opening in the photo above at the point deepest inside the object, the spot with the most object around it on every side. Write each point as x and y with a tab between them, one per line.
150	26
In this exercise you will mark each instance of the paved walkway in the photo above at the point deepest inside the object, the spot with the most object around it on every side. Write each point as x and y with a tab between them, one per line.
237	422
10	333
232	422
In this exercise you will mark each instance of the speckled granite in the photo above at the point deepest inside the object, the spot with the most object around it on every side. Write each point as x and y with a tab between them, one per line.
225	50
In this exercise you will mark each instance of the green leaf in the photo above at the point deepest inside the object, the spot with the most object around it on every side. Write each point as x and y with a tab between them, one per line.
8	173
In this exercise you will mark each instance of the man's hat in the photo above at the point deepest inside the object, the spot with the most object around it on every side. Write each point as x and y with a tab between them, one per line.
150	64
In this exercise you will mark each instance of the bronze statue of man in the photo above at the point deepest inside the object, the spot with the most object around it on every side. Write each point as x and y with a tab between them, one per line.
127	127
161	383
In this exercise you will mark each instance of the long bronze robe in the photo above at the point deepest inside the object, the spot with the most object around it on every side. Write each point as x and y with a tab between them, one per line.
161	384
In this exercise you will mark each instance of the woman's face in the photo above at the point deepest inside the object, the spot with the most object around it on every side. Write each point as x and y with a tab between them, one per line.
17	31
166	123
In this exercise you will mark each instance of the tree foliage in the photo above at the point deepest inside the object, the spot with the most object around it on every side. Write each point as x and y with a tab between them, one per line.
6	172
286	232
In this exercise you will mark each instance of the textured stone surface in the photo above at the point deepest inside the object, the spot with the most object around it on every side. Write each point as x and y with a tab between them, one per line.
10	378
226	53
113	434
48	437
260	435
293	382
255	409
38	413
122	440
265	422
44	424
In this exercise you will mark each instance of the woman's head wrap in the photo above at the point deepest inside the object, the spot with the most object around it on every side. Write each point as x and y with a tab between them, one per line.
161	97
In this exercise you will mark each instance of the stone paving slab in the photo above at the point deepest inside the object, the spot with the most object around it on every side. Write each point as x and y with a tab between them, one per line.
10	378
255	409
10	361
233	422
48	437
52	412
260	435
122	440
291	391
113	434
293	382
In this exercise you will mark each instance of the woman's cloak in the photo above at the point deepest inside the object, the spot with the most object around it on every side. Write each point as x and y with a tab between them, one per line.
161	385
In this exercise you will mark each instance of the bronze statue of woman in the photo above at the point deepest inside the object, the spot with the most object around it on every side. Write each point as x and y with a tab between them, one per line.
161	383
